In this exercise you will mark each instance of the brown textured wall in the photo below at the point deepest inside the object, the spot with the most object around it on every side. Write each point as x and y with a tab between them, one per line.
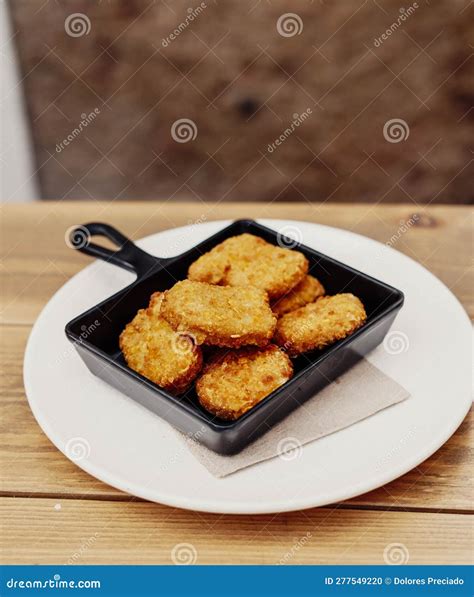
240	81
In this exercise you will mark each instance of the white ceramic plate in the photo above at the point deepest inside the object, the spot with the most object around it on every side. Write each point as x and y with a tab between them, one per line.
124	445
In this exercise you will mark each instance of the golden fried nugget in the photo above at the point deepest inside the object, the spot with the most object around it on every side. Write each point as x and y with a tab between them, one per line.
220	315
307	291
151	347
247	260
235	381
319	324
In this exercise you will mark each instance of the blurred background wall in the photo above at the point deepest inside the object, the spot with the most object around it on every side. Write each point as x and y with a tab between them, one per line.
249	100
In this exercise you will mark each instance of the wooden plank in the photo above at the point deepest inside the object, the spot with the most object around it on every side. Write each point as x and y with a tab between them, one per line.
31	465
36	260
54	531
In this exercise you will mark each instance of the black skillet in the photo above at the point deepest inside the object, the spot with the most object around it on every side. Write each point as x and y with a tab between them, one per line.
95	334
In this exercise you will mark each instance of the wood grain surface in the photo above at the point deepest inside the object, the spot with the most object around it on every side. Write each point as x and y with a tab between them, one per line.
51	531
51	509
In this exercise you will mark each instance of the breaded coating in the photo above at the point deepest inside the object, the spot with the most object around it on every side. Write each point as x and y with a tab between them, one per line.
307	291
151	347
247	260
220	315
235	381
319	324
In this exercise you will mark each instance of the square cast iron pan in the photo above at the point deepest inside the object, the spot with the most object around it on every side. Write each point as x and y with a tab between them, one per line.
95	334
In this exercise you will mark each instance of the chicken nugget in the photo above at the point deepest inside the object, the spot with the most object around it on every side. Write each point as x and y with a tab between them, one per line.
307	291
319	324
152	348
219	315
247	260
235	381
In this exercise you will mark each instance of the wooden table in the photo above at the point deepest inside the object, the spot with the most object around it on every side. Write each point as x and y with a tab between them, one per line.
53	512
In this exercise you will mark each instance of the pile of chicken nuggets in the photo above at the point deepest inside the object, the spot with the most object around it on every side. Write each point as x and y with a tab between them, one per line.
233	326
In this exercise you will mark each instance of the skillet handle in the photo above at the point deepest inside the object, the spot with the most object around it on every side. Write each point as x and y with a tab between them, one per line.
128	255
